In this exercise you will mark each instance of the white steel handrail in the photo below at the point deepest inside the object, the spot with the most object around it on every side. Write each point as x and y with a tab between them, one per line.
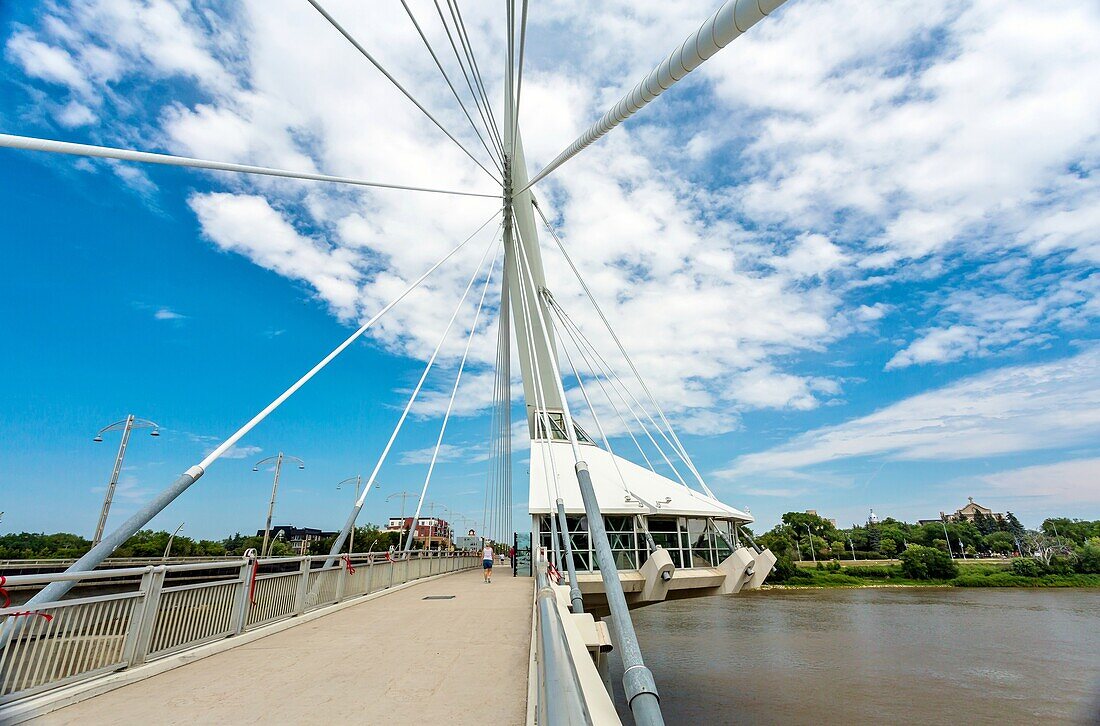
560	696
56	643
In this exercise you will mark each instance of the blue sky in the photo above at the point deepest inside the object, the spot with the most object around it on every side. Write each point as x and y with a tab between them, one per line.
858	274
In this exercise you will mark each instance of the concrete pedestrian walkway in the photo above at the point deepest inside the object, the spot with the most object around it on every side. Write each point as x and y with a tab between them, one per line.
398	659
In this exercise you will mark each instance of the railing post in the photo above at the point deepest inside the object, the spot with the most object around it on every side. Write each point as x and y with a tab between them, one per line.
392	565
240	612
342	578
370	575
142	631
303	587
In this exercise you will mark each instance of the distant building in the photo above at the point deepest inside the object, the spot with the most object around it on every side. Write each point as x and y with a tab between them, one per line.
814	513
467	542
965	514
299	538
872	518
431	532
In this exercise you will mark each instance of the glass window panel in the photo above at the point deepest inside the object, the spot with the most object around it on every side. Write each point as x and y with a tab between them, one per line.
624	560
619	524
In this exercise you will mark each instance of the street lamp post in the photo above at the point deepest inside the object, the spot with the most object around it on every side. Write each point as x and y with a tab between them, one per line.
404	496
358	481
278	459
127	425
171	538
948	538
853	549
811	537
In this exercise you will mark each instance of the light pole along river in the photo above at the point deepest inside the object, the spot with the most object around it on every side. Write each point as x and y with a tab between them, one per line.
127	425
278	459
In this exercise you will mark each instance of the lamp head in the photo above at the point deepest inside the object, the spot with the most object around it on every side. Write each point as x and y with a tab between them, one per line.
98	439
301	466
255	468
154	432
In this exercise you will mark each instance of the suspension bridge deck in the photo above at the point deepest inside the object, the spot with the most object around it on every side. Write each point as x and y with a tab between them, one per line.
396	658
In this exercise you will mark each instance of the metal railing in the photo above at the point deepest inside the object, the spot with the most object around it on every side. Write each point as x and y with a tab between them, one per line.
560	698
155	611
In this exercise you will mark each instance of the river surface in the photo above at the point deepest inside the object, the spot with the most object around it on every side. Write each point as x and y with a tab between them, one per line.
947	656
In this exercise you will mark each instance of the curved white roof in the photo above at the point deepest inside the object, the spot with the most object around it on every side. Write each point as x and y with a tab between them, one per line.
649	490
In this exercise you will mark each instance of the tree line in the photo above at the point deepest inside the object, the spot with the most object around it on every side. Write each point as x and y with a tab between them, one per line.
152	543
1061	546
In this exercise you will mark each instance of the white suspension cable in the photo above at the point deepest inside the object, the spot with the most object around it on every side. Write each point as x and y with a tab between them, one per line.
493	136
540	393
358	46
540	411
620	388
94	557
225	445
519	80
592	410
597	377
493	479
439	65
676	444
29	143
424	374
450	405
464	36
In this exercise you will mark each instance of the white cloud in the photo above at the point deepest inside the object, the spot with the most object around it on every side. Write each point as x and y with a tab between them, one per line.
166	314
1010	410
47	62
241	452
1073	482
937	346
447	452
75	114
933	136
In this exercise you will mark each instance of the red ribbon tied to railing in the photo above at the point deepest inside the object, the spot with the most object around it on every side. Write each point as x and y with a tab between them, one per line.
347	562
7	603
252	582
553	573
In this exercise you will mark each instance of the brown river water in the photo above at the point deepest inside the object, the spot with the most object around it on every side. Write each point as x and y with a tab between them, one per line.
949	656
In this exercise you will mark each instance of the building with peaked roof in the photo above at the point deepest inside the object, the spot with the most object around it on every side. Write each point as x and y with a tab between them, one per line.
967	513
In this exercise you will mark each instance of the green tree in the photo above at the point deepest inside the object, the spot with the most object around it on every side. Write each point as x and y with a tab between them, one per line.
888	547
927	563
1077	531
1002	543
1014	526
1088	557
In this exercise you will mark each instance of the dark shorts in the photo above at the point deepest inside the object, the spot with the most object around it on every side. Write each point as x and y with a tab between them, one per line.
487	564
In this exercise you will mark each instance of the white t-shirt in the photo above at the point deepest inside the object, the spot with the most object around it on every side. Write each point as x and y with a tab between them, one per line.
487	553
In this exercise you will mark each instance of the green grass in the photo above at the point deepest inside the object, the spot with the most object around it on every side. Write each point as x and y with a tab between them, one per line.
971	574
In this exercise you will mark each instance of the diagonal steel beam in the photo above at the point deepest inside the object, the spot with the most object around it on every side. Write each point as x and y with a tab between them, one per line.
731	20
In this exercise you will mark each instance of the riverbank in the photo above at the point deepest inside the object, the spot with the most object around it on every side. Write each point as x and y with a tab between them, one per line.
976	574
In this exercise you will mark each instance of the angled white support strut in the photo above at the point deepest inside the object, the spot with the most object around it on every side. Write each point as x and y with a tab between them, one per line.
731	20
95	556
30	143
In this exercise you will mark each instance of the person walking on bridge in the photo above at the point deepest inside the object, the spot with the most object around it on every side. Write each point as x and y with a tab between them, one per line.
487	561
